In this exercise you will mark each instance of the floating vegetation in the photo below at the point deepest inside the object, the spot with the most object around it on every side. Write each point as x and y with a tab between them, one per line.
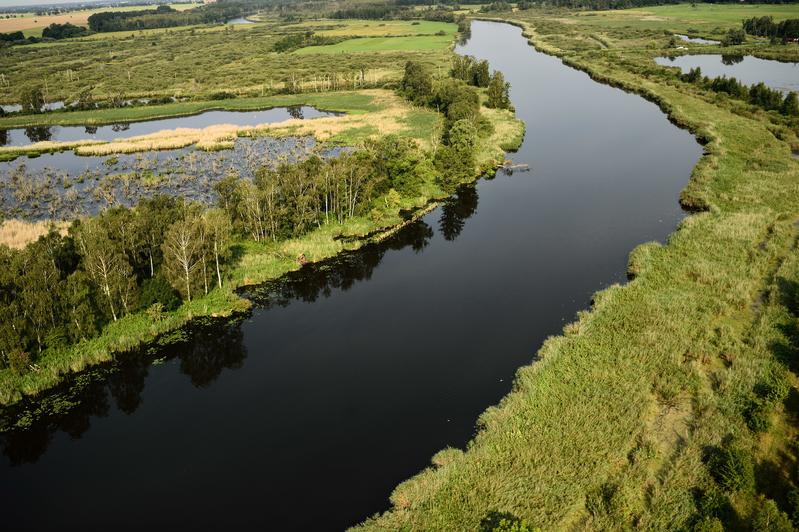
63	186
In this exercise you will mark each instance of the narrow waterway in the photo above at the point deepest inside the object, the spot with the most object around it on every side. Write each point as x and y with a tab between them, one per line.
29	135
349	377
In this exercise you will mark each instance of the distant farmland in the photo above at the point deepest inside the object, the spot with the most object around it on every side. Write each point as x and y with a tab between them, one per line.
30	21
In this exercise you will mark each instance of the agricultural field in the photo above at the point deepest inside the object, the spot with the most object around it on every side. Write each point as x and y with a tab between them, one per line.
32	24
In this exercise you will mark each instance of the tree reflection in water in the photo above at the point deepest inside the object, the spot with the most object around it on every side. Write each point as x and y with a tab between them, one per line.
38	133
206	349
456	210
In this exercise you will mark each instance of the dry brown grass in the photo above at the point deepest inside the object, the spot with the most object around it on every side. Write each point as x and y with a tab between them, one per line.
17	234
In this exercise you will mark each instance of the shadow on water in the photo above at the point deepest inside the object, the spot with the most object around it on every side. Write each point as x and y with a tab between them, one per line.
202	351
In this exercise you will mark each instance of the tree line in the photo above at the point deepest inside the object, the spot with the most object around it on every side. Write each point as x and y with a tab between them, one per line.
759	94
766	27
165	16
295	41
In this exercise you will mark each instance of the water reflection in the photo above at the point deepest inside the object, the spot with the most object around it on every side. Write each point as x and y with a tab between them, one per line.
38	133
731	59
455	212
203	354
19	137
206	350
780	75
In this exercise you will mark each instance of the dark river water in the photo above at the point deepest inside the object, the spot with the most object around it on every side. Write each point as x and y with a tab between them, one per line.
28	135
348	377
780	75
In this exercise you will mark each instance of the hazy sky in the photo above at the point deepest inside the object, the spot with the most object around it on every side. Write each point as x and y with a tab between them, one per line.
9	3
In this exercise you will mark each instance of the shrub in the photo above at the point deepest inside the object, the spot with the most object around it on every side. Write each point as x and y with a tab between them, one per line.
417	83
18	361
504	522
708	524
757	415
767	517
732	468
793	504
158	290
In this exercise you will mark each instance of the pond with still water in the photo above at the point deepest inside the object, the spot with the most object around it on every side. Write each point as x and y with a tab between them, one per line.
748	70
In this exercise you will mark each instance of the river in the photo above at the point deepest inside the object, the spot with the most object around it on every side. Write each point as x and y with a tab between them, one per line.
350	376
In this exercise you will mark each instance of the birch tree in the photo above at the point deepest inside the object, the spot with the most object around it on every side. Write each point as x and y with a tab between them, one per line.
183	253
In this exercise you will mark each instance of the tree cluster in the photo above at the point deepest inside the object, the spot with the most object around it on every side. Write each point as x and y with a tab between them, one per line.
295	198
63	31
470	70
63	288
294	41
766	27
165	16
759	94
497	6
734	37
459	102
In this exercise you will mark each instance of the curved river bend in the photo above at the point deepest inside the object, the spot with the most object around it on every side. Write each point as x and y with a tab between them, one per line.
352	375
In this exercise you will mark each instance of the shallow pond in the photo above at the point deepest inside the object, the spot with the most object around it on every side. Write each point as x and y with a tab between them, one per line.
25	136
350	375
63	186
696	40
746	69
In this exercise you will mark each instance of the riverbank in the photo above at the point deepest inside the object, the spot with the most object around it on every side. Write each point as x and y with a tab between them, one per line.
259	262
613	425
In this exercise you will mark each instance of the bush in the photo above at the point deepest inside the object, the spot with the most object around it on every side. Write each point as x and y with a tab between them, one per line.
18	361
708	524
768	518
757	415
732	468
734	37
417	83
158	290
793	504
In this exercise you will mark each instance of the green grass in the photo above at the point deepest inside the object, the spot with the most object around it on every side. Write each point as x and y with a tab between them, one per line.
635	28
374	28
381	44
722	13
609	429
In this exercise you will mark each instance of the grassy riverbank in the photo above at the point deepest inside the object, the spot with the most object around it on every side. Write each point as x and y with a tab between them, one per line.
258	262
630	417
